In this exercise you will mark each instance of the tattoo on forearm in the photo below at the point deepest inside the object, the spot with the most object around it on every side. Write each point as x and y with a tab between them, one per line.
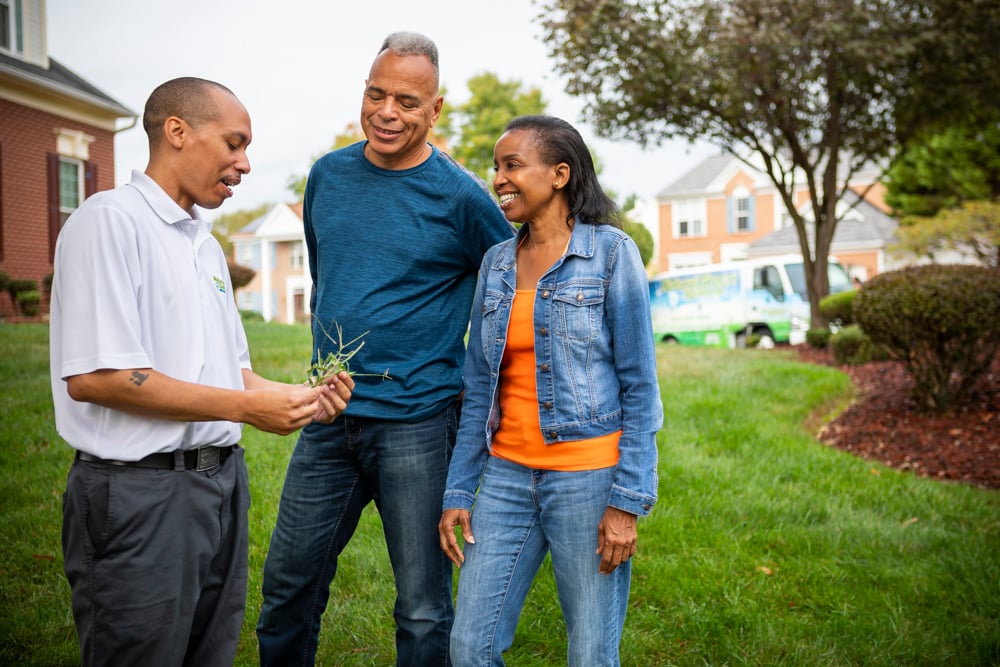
138	378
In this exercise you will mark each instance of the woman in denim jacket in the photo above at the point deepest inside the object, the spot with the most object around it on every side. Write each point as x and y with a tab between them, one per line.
556	450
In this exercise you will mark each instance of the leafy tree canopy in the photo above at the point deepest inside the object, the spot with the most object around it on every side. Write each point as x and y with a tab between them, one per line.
476	125
944	169
642	237
946	188
815	90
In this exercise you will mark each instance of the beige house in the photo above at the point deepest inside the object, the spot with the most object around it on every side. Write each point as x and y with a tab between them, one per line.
724	210
274	246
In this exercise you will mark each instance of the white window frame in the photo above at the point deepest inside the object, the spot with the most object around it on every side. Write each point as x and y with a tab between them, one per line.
66	208
741	213
12	39
296	255
689	219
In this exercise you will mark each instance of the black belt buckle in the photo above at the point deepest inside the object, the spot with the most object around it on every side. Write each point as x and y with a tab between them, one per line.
208	458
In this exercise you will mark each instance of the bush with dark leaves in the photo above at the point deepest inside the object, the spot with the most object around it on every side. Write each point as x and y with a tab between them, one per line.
838	308
942	320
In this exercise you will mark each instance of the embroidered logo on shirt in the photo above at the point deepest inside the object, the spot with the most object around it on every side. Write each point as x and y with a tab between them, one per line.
219	284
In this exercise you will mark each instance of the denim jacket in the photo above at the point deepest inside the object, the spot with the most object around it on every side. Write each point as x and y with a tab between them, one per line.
595	361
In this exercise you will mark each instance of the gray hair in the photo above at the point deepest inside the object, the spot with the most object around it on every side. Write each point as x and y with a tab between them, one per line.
412	44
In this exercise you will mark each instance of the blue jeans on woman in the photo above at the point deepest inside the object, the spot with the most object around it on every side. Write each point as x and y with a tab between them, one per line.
521	514
402	467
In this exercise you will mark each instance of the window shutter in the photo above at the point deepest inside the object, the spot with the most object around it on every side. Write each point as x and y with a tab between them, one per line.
1	203
89	179
52	169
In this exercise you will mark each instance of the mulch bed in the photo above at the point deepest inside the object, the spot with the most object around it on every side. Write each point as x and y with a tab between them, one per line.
884	425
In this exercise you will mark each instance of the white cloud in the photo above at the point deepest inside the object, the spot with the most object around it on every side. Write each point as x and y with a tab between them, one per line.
299	67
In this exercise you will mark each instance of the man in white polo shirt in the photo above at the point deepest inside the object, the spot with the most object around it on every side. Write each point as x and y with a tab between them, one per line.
151	382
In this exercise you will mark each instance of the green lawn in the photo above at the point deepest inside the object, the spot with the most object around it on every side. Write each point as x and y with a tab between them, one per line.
766	548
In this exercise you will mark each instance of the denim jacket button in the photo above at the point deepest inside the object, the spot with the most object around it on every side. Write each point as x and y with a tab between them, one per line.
545	367
553	435
545	294
547	405
544	331
579	296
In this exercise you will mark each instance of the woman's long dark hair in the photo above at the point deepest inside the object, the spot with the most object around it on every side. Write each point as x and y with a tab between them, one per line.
558	141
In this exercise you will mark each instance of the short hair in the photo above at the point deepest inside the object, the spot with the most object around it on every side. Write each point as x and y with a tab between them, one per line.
186	97
412	44
558	141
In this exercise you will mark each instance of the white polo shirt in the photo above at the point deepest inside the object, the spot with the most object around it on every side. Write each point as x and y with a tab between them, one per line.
140	284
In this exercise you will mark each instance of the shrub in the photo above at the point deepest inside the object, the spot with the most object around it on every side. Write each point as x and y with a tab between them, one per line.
837	309
29	302
47	281
942	320
852	346
643	239
4	281
818	338
240	275
18	286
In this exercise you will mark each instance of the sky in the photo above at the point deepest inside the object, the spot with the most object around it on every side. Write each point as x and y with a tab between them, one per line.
300	66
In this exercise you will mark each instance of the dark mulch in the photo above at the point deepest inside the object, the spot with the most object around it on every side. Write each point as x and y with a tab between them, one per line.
884	425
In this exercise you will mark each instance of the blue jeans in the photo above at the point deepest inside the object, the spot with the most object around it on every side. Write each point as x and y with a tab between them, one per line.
402	467
520	515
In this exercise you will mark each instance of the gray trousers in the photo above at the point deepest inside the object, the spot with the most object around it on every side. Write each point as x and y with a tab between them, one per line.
157	562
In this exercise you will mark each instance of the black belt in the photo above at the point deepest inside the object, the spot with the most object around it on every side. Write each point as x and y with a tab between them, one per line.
200	459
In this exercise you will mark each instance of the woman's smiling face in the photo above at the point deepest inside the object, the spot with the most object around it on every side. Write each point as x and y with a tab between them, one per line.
524	184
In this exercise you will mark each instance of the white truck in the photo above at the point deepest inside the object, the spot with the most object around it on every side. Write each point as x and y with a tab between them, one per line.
724	305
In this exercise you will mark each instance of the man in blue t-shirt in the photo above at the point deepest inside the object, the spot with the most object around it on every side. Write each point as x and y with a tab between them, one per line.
395	230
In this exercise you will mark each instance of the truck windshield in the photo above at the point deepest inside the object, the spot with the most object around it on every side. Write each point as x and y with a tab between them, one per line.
839	280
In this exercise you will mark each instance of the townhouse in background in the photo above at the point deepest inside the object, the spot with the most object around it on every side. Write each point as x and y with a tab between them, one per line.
274	246
723	210
56	144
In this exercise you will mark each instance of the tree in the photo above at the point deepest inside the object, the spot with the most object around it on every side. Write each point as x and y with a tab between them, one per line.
475	126
813	90
973	227
640	234
944	169
642	237
239	275
947	191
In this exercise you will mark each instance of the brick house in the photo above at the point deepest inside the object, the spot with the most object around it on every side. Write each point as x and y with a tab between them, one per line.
274	246
723	210
56	145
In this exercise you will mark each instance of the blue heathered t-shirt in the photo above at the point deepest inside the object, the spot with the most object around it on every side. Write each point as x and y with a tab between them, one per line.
394	257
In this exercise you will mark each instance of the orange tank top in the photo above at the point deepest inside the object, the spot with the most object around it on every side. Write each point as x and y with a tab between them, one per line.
519	437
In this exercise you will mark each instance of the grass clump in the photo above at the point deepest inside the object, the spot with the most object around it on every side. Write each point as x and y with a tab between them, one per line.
337	360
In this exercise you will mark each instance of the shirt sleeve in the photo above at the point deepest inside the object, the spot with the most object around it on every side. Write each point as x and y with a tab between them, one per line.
98	283
635	487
